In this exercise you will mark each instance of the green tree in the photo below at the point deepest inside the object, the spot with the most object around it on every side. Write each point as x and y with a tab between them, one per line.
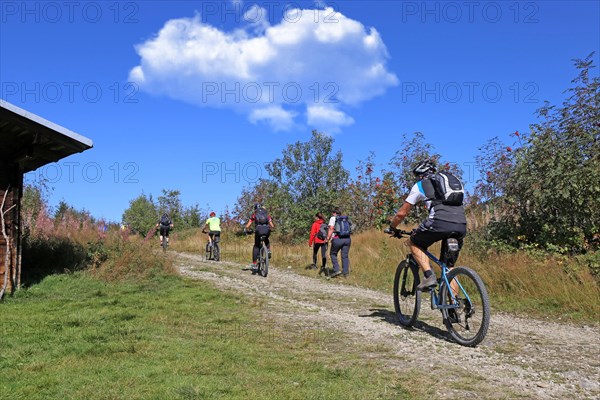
266	192
386	202
192	216
308	178
170	202
358	196
32	204
141	215
61	210
552	195
496	164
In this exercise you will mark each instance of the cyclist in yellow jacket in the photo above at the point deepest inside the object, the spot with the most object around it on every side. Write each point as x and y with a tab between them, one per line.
214	227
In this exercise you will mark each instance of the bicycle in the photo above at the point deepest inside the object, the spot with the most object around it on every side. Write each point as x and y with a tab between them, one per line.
465	306
165	240
262	263
213	250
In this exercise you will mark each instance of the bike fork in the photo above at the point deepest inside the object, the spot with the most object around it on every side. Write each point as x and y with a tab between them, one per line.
434	303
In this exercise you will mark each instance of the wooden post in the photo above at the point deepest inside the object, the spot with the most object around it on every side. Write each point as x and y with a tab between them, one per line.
7	259
8	253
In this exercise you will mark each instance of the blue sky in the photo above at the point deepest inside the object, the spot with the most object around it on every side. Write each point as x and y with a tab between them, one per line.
197	95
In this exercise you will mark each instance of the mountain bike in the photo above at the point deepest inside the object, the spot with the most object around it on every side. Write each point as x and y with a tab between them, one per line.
461	298
213	250
262	263
165	241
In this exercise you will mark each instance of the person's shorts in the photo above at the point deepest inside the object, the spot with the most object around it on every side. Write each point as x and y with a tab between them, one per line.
431	231
262	230
164	230
215	235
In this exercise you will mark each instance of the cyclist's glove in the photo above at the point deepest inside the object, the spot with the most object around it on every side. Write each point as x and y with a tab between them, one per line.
395	232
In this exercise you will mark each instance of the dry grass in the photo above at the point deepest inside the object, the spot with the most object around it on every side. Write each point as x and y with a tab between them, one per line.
523	283
131	258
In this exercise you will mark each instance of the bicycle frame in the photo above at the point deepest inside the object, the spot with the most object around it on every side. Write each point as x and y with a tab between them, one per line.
262	242
436	299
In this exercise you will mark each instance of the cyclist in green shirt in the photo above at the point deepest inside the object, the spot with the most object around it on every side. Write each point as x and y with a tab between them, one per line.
214	227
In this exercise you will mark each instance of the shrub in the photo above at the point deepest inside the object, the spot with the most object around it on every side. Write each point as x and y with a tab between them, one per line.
132	259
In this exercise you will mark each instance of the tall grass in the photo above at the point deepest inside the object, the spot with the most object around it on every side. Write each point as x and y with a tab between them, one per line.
546	286
130	258
77	242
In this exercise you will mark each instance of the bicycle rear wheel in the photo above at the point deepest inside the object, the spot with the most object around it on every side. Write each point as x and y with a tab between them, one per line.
216	252
407	299
468	324
164	244
264	261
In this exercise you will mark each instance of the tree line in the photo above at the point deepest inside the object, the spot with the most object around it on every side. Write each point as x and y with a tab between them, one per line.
541	190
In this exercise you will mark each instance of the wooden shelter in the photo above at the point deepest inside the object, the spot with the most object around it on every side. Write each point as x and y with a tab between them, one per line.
27	142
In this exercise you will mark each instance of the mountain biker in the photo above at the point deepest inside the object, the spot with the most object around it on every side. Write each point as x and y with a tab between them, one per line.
317	241
164	225
339	241
444	221
214	227
263	225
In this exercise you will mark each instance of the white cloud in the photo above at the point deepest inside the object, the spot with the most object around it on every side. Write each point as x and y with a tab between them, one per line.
313	62
256	17
278	118
327	118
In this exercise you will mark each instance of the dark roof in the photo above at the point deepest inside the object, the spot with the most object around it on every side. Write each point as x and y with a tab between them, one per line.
32	141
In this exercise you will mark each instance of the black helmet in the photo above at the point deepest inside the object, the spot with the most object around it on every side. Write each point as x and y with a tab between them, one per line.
424	167
257	206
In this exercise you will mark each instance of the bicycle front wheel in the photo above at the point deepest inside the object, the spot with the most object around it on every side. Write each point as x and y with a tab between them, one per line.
407	299
468	324
264	261
208	254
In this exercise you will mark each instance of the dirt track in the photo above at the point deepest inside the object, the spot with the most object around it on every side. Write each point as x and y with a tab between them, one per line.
520	358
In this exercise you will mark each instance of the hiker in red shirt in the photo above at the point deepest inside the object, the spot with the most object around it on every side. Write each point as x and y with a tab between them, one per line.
318	240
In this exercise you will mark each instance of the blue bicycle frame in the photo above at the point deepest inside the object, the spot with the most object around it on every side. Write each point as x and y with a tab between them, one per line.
436	299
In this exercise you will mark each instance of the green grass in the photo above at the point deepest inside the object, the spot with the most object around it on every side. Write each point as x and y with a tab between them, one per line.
77	337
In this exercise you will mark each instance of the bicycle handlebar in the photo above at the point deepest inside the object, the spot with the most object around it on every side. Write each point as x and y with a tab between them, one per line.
397	233
251	231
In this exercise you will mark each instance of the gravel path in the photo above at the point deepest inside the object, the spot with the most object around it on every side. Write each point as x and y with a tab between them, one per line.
520	357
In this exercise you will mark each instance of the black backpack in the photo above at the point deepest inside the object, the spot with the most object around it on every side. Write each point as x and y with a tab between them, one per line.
261	217
343	226
445	189
165	220
323	231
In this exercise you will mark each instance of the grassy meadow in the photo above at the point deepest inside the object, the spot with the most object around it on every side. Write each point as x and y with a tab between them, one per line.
127	326
75	336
